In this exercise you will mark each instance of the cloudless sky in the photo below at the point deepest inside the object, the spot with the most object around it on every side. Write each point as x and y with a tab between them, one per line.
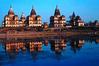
87	9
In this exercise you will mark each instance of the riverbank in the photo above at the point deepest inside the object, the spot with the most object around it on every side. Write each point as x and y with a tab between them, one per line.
30	34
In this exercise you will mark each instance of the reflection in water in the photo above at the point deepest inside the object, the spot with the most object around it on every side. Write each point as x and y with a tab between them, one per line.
35	47
14	47
76	44
58	45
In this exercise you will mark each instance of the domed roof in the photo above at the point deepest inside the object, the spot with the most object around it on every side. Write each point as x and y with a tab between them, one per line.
78	18
33	12
38	16
63	16
57	11
10	11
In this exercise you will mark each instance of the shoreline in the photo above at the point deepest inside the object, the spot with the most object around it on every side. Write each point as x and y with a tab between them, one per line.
30	34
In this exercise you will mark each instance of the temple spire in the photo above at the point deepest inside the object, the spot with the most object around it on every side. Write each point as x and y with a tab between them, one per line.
10	6
73	15
32	7
57	11
33	11
56	7
22	15
11	10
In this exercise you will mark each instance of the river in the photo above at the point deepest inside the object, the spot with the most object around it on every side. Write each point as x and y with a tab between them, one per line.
50	51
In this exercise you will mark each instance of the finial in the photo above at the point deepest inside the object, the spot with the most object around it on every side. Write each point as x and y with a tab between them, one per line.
10	6
22	14
73	14
32	7
56	7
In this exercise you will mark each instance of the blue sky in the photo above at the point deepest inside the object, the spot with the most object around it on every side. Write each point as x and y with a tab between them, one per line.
87	9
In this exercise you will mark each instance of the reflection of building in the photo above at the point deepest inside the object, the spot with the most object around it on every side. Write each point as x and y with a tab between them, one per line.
46	42
14	46
57	20
33	20
97	40
57	45
17	46
35	46
11	20
76	44
80	43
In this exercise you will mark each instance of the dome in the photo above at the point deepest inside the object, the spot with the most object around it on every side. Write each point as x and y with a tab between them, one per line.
38	16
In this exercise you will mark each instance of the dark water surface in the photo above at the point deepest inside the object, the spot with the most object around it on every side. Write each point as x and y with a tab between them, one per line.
50	51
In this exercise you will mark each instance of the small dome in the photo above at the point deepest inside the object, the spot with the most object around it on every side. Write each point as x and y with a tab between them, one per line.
78	18
39	16
63	16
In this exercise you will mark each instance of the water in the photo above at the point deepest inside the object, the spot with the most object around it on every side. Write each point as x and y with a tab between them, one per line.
50	51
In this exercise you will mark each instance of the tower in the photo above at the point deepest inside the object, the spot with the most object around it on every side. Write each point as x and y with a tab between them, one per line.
58	20
57	12
33	12
22	20
34	20
22	17
11	12
11	20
